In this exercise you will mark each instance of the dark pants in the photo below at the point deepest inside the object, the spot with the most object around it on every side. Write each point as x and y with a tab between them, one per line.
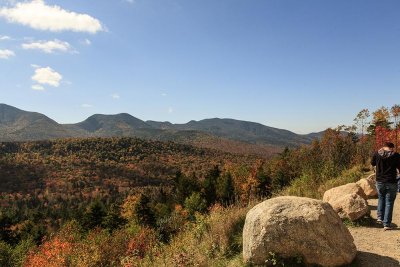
387	193
398	184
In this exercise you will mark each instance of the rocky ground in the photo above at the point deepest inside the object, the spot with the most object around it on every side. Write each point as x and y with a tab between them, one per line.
377	247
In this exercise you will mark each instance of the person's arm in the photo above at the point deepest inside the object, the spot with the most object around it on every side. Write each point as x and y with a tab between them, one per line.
398	163
373	160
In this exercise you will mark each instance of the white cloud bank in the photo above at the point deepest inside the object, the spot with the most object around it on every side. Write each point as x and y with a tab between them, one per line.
47	76
48	46
6	54
37	15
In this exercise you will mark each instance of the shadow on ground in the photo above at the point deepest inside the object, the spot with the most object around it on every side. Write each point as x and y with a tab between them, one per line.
366	259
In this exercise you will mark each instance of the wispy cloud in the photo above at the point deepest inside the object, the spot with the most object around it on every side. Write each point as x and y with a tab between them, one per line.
48	46
37	87
115	96
86	42
37	15
6	54
86	106
47	76
130	1
5	38
170	110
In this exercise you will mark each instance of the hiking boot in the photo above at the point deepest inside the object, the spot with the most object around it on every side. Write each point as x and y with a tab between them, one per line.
379	221
387	228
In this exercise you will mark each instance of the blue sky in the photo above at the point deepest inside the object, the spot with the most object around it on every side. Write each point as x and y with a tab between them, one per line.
299	65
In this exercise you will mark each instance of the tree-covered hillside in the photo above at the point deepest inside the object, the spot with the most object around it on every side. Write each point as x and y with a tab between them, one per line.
132	202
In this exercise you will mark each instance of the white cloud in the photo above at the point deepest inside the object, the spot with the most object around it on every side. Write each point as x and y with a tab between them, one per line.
86	106
4	38
170	110
87	42
115	96
37	87
6	54
163	94
47	76
48	46
35	66
37	15
130	1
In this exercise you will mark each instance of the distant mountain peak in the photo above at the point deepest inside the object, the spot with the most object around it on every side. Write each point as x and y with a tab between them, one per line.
98	122
19	125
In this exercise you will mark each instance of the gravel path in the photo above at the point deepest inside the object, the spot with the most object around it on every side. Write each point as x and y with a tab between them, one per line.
378	248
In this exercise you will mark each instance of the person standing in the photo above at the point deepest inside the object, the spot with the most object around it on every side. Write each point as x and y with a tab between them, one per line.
387	162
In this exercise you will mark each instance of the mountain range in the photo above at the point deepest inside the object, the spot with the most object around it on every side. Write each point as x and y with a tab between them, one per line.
20	125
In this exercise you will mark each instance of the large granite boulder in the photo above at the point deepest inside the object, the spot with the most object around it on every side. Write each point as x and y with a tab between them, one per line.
350	206
368	186
295	226
337	192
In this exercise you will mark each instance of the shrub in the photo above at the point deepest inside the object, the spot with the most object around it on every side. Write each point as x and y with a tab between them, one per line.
56	251
211	240
347	176
20	252
195	203
5	254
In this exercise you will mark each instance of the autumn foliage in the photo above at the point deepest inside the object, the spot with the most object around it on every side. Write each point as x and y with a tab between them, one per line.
383	134
130	202
54	252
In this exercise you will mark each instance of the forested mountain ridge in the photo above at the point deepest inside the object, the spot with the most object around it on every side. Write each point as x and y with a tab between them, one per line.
16	124
19	125
241	130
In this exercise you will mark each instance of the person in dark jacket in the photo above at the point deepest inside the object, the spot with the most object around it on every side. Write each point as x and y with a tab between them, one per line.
387	162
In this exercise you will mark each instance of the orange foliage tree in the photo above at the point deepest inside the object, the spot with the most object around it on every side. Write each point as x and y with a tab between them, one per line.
56	251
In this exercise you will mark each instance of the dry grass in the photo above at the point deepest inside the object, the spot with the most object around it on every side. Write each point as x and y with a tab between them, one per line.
307	186
212	240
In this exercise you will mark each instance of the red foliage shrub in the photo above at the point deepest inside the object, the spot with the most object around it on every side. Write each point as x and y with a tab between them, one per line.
142	243
383	135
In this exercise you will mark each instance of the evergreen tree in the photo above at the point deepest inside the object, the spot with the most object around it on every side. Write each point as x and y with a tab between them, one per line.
184	186
143	212
113	219
264	183
5	232
225	189
209	185
94	215
195	203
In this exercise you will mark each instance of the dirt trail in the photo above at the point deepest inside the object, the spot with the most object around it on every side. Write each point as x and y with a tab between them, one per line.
378	248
